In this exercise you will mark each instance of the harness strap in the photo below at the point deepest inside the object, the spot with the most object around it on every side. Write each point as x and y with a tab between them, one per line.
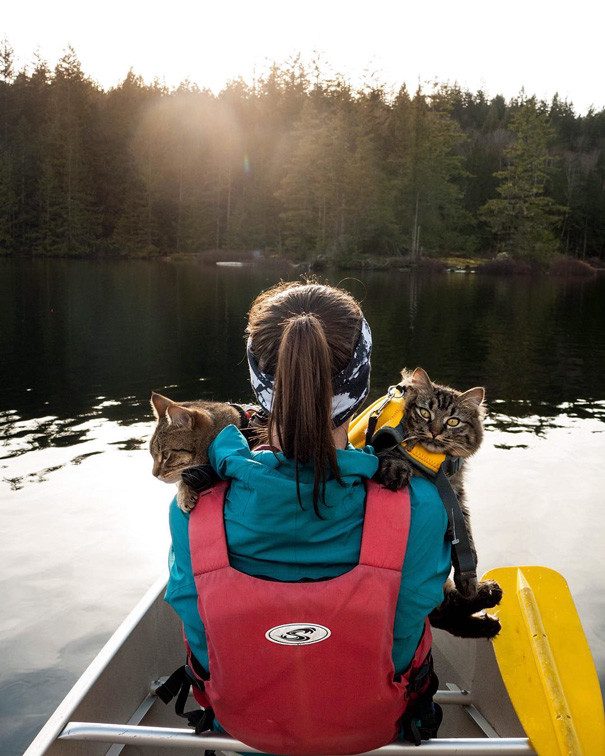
251	419
467	561
372	422
387	438
386	526
200	477
244	414
391	438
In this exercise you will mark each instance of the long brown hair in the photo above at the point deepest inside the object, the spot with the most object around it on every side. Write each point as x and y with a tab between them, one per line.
304	334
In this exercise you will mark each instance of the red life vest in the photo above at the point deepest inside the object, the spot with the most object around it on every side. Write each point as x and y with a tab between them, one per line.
303	668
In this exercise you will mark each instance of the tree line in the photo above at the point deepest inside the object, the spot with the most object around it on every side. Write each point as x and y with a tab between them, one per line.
294	163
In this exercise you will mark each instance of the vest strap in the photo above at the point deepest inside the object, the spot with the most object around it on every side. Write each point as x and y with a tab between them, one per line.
179	684
386	527
207	531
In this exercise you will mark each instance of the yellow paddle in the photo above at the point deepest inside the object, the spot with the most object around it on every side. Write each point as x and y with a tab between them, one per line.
546	664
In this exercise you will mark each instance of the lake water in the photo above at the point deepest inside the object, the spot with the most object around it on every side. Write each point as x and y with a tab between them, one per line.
83	525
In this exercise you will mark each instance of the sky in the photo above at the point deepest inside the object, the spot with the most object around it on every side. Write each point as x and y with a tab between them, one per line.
500	47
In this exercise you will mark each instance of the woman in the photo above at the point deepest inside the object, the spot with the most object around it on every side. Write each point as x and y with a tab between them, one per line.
294	513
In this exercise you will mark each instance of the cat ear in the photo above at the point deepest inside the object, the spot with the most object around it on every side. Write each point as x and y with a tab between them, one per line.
182	417
420	379
159	404
179	416
475	396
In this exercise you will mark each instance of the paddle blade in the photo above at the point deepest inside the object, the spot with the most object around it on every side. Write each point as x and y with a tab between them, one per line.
546	664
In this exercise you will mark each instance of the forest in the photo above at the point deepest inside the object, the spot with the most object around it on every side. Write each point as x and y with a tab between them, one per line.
294	164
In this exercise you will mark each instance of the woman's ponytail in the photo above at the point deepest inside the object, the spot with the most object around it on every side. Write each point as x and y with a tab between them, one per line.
302	404
302	335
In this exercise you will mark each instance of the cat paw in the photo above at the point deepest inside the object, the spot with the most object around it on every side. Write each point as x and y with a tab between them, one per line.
484	626
489	594
186	499
394	472
473	626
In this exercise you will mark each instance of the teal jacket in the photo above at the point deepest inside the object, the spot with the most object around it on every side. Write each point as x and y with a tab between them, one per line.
270	535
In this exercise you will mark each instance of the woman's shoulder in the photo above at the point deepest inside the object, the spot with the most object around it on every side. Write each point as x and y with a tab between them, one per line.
427	508
230	455
228	441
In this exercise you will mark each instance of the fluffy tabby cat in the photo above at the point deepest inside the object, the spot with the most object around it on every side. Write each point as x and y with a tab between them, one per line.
181	439
451	422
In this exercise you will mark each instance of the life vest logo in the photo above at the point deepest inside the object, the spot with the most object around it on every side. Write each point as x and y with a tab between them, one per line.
297	634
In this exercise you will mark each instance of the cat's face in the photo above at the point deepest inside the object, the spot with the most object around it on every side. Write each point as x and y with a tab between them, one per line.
180	438
443	419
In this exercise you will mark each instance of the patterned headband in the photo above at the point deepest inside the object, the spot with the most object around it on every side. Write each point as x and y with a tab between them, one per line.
350	387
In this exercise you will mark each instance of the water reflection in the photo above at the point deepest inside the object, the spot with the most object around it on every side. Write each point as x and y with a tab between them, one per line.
23	436
550	416
84	343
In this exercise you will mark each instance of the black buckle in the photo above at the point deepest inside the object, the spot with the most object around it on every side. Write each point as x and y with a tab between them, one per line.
168	690
201	720
179	684
451	465
422	722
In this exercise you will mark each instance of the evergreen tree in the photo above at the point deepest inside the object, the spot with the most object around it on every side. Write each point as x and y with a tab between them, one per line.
70	214
523	218
313	189
427	170
294	161
32	93
127	220
8	200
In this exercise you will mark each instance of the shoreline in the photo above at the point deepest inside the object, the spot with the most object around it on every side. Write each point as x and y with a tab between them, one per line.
561	265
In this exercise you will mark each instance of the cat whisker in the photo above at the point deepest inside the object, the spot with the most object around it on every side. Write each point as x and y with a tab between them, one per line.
409	438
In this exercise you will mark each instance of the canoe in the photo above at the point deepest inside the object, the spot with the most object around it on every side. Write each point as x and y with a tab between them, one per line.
113	709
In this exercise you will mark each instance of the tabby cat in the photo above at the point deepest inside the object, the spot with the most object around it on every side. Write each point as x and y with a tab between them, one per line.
181	439
447	421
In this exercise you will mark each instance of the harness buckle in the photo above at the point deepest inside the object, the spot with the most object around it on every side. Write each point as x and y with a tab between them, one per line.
451	465
393	392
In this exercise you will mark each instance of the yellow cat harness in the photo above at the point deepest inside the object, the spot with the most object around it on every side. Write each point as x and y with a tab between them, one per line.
381	425
388	412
